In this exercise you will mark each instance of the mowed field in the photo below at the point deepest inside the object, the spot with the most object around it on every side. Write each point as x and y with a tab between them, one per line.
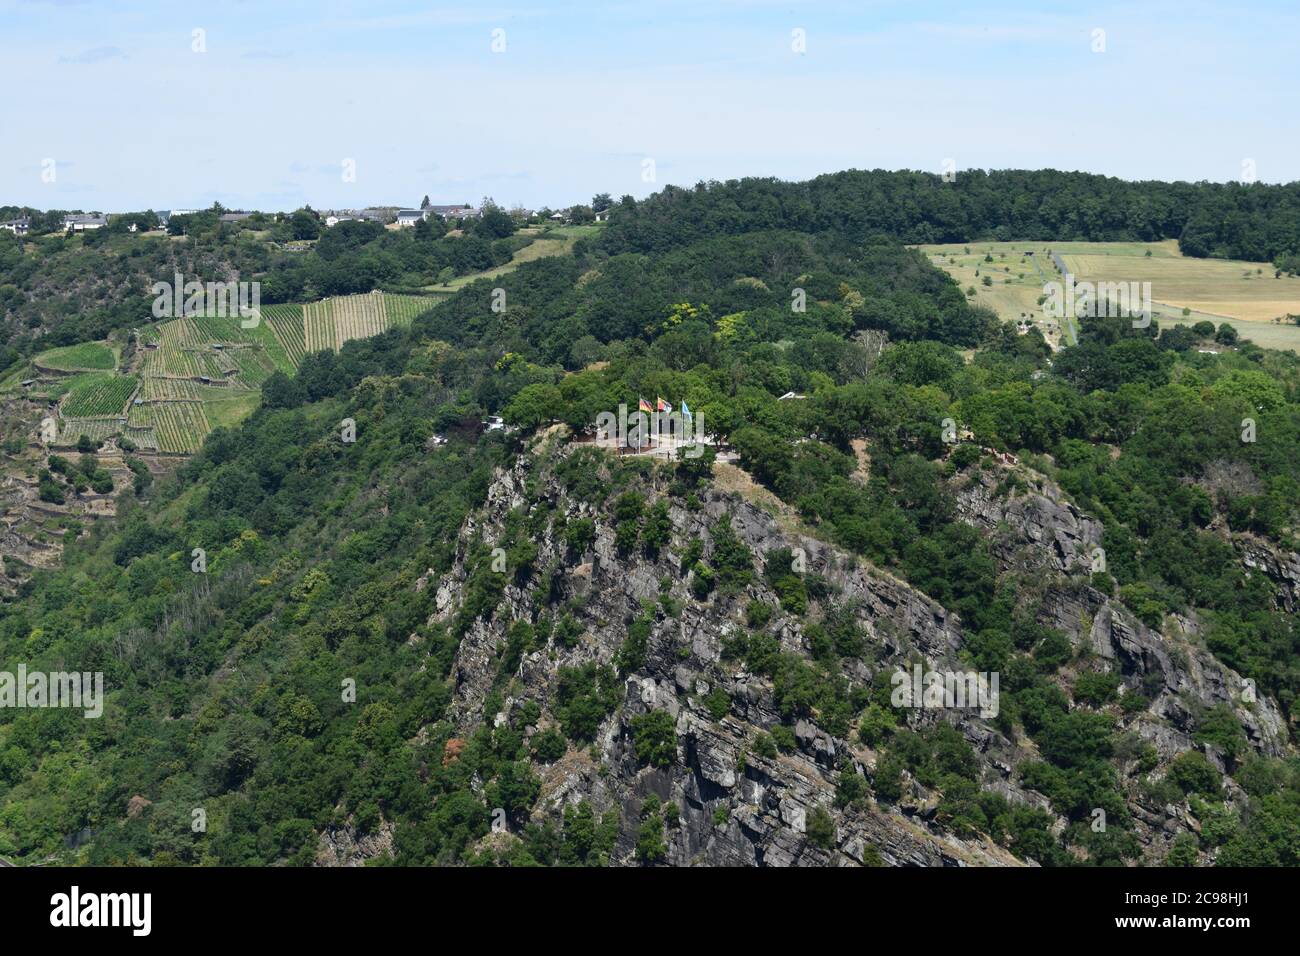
1018	271
1246	295
83	357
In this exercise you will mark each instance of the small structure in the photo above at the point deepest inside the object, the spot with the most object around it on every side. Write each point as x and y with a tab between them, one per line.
237	216
19	227
790	395
77	222
407	218
455	212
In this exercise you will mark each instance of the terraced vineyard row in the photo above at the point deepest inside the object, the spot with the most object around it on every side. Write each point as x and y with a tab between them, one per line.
286	323
177	426
176	414
183	362
229	329
331	322
162	389
96	429
318	322
98	395
358	316
402	309
252	367
144	436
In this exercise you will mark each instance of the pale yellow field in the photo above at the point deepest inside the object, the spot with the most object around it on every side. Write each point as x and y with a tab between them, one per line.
1245	294
1223	287
1018	278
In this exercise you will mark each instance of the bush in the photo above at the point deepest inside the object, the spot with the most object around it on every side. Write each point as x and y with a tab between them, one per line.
758	614
655	738
1183	851
783	736
876	724
549	746
717	703
1192	773
821	828
1095	689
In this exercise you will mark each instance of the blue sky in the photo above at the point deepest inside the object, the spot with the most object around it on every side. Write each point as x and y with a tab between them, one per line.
584	93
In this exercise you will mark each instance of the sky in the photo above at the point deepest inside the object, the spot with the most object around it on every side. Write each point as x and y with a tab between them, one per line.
164	104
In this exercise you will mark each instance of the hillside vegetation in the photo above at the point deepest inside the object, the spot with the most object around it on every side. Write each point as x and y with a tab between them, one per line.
514	648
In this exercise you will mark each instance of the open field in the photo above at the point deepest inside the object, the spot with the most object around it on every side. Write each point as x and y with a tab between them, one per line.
83	357
553	241
1018	271
1246	295
1222	288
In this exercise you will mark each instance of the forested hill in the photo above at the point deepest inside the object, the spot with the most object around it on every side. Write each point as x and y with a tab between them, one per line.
1256	222
58	289
438	644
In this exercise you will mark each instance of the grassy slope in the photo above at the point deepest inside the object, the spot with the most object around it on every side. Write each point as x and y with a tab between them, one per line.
1217	290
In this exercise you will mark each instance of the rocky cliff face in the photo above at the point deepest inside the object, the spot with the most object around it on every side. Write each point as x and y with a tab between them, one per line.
1038	528
736	807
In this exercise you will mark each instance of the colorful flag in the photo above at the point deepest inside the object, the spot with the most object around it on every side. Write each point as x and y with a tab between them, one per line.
686	409
662	406
643	405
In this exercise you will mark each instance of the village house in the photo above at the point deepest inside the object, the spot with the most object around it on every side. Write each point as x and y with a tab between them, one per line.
19	227
455	212
81	223
409	217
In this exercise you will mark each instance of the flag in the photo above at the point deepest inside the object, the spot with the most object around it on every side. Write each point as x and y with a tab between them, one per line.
643	405
662	406
686	409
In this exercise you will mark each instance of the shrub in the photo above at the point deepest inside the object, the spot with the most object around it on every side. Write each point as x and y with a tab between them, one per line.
655	738
821	828
549	746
